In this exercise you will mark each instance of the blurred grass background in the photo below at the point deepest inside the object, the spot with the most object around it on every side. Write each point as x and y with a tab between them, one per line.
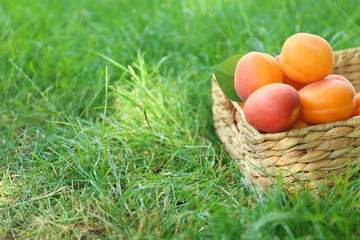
106	126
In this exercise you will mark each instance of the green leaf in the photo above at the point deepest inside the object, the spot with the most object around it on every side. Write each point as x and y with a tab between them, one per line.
224	73
254	44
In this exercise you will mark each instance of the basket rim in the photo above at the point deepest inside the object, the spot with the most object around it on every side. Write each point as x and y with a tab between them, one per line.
347	50
354	121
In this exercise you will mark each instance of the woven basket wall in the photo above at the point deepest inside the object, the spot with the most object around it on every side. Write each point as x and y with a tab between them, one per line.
307	156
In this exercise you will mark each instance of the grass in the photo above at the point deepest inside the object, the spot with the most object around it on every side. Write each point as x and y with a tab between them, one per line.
106	126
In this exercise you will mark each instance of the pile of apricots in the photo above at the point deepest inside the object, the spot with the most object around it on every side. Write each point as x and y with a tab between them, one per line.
294	89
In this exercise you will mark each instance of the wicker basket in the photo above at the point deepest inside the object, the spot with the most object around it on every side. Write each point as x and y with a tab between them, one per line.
309	155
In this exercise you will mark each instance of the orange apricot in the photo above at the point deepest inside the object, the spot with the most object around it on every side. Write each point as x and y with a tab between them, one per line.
255	70
294	84
241	104
300	124
327	100
338	77
287	80
274	107
306	58
357	106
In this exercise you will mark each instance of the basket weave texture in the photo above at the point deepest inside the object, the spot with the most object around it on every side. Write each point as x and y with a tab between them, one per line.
309	155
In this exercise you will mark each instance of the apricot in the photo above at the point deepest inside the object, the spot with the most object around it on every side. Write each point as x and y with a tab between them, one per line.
241	104
327	100
288	81
274	107
255	70
357	106
338	77
300	124
306	58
